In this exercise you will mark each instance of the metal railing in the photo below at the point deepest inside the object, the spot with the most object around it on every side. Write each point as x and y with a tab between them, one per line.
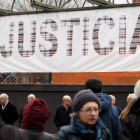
12	78
24	78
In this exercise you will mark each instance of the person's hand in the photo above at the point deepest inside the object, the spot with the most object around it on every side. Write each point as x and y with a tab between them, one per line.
70	115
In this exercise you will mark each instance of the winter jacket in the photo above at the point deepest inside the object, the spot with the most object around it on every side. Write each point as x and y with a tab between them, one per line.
37	135
35	114
131	124
62	117
71	132
9	132
110	116
9	114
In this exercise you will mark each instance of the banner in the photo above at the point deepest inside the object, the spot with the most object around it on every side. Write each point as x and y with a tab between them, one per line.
106	40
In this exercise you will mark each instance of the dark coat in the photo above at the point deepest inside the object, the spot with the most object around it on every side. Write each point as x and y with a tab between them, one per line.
119	110
71	132
20	115
131	124
9	114
110	116
61	117
9	132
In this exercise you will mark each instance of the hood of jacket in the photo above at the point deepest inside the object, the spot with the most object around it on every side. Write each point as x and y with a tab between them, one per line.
35	114
105	101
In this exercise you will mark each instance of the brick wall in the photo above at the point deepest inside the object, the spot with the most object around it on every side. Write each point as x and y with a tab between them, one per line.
129	78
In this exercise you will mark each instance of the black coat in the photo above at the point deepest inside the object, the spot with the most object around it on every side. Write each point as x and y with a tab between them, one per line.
20	115
61	117
131	124
9	115
9	132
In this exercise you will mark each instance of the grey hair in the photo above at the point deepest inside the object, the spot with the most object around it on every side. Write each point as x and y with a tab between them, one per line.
132	95
137	89
112	96
30	95
5	95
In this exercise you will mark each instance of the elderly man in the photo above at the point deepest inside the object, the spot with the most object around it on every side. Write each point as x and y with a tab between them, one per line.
114	103
8	111
63	112
30	97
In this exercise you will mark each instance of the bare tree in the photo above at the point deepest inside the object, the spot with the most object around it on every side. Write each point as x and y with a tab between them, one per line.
24	5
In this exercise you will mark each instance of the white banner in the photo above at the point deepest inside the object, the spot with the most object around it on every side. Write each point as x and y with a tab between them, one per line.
83	41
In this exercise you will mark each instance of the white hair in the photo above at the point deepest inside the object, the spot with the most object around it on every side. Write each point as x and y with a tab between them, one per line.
4	95
112	96
132	96
137	89
31	95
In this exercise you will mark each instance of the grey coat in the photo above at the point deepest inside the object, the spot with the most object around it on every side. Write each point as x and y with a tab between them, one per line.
37	135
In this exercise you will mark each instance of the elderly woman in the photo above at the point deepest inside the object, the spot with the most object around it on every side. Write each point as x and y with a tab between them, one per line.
130	97
85	124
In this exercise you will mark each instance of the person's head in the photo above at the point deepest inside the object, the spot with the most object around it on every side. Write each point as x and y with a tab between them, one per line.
30	97
4	98
130	97
113	99
85	107
66	100
94	84
137	89
35	114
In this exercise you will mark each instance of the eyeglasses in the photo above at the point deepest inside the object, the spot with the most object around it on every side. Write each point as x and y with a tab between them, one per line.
68	100
90	110
30	98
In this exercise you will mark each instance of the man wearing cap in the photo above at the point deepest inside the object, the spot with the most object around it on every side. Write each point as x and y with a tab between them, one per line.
63	112
109	113
85	123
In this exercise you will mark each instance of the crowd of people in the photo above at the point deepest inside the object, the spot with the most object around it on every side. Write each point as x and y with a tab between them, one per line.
92	115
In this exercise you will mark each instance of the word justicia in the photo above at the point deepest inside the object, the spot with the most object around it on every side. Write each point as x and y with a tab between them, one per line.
69	26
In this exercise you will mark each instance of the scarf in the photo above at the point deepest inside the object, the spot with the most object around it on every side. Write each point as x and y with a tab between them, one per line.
94	133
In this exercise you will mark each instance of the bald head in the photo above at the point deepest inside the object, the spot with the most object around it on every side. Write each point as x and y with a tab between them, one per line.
66	100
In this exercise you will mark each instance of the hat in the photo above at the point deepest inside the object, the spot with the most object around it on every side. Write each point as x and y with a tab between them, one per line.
35	114
83	97
137	89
